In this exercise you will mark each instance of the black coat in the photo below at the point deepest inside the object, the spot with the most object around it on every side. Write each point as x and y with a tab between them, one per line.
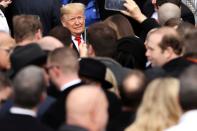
176	66
47	10
71	128
18	122
55	115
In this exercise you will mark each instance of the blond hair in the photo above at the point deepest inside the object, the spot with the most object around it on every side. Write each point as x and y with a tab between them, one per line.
72	8
159	108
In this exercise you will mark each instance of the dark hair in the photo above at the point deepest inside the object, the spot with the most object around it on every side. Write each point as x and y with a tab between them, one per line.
25	26
190	44
62	34
102	38
172	41
176	2
188	90
4	81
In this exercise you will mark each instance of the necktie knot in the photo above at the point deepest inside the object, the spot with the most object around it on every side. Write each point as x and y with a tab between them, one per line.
78	39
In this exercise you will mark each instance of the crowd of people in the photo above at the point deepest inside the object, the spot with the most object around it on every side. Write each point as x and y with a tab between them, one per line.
66	68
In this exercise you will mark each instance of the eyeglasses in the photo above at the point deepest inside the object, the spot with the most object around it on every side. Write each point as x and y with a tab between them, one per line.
78	18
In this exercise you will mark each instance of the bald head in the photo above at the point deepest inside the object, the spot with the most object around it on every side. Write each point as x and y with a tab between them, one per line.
82	108
168	11
50	43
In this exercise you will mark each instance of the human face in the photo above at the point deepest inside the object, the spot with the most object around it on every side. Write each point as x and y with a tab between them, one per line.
75	22
154	53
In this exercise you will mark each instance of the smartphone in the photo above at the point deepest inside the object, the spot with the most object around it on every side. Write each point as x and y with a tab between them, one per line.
116	5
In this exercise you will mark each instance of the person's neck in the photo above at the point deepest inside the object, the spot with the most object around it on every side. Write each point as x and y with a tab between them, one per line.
66	79
26	42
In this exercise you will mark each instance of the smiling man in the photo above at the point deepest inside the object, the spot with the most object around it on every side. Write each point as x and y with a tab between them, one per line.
73	18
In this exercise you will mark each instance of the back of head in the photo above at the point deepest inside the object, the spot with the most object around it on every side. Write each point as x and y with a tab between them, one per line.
29	85
5	88
190	43
188	90
168	11
49	43
121	25
65	58
26	26
184	27
62	34
170	38
102	38
159	108
82	108
132	89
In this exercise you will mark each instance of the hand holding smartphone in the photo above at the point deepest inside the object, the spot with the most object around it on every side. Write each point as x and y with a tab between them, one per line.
116	5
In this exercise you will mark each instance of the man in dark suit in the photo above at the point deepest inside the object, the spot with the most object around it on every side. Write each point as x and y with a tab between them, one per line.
47	10
29	87
73	18
150	7
62	66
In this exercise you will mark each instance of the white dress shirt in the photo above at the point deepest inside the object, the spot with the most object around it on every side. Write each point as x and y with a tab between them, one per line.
22	111
3	23
188	122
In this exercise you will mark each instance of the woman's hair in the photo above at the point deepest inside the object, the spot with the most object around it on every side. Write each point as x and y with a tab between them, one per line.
159	108
121	25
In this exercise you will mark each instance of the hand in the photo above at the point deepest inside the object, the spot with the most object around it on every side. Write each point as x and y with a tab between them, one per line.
133	11
83	50
5	3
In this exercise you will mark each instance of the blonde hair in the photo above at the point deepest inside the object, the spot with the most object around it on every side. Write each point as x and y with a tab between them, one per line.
72	8
159	108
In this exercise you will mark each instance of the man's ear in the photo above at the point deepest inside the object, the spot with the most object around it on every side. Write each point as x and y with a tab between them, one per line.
63	22
38	34
169	52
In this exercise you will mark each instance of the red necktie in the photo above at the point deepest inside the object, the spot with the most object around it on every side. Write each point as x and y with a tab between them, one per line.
78	39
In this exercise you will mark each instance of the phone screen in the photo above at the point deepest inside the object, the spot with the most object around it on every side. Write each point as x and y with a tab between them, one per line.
116	5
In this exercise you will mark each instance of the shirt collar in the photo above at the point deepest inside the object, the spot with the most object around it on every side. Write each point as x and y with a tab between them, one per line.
67	85
22	111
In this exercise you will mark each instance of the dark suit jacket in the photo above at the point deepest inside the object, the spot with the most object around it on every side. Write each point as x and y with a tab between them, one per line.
71	128
176	66
17	122
186	13
47	10
55	115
